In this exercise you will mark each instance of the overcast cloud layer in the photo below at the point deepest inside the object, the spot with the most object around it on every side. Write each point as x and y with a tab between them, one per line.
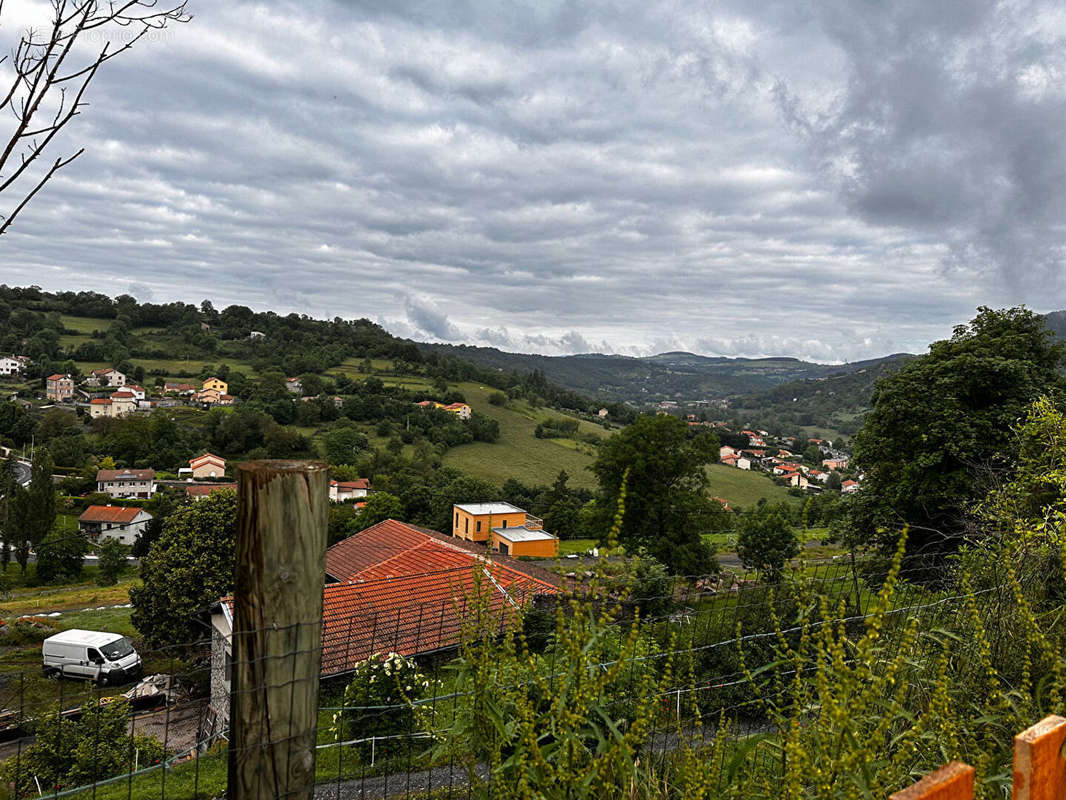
833	180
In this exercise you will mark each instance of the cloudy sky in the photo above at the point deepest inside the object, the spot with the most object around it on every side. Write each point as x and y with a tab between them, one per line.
830	180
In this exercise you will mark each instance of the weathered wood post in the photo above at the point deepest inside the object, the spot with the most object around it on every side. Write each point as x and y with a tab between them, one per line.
277	633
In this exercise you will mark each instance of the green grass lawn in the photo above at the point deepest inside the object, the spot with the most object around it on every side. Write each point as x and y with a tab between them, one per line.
579	546
518	453
743	488
85	325
726	542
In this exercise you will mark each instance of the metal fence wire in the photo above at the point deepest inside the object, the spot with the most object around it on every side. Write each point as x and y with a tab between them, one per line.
169	736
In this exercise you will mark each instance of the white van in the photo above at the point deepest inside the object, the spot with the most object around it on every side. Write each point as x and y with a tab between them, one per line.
93	655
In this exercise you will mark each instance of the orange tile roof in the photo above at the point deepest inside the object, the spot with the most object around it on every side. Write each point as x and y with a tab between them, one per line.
100	401
121	514
409	590
204	489
57	377
195	462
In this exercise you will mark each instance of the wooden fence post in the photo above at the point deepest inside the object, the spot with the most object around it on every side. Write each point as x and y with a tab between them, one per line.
953	781
1039	766
277	633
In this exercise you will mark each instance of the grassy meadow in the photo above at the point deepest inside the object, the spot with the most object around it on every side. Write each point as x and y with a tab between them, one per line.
743	489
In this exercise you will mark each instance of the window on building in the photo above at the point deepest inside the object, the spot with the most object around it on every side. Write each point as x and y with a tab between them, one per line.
505	523
457	519
466	525
479	526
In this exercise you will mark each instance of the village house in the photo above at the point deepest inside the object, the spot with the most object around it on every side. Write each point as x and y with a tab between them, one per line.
729	461
743	463
179	388
725	452
207	466
114	522
137	391
461	410
123	403
294	385
602	413
209	397
202	490
797	479
256	335
396	588
100	407
126	483
835	463
106	377
505	528
12	365
339	491
216	384
59	388
849	487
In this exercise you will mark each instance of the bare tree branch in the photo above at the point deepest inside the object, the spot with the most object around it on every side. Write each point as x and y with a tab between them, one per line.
46	63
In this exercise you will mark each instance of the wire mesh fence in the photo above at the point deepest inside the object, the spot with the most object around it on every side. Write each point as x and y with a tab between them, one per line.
379	720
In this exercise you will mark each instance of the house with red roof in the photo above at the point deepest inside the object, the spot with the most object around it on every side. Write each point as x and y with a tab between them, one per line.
849	487
113	522
100	407
58	387
201	490
339	491
397	588
207	465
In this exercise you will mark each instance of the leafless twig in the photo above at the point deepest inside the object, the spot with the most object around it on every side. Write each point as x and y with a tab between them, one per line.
52	67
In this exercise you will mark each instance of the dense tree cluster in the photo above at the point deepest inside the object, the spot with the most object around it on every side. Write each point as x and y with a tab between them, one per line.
941	431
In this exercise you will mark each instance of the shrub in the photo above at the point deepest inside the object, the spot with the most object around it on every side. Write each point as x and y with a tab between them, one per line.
112	561
68	753
379	701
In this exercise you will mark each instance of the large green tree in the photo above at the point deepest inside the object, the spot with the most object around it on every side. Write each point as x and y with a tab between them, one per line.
187	568
666	506
942	426
766	540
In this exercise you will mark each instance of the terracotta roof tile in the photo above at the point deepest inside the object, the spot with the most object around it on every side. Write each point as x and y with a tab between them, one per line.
204	489
121	514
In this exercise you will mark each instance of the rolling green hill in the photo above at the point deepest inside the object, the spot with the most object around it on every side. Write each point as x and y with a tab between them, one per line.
667	376
518	453
831	405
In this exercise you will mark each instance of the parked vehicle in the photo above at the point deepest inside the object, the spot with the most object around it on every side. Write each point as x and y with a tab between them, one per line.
92	655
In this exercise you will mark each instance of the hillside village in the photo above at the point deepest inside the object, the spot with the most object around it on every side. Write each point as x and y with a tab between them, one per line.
120	481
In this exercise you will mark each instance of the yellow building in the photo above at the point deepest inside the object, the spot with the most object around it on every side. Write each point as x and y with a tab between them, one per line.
507	528
219	386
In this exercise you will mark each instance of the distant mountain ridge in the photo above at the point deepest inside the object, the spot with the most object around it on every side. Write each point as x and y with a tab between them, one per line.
680	376
674	376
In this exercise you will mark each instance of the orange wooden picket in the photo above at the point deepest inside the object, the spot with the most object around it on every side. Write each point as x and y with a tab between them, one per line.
951	782
1039	769
1039	766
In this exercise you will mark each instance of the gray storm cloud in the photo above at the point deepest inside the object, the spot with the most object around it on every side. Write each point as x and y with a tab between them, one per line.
835	181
